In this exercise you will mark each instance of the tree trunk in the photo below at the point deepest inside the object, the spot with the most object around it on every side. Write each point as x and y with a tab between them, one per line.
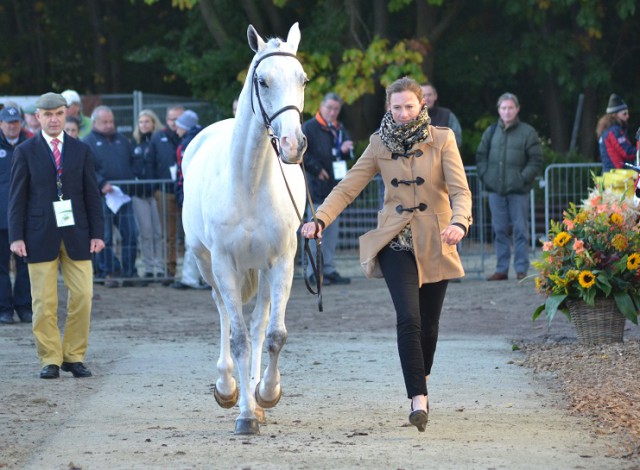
555	115
99	56
253	15
380	18
587	143
274	14
431	23
214	25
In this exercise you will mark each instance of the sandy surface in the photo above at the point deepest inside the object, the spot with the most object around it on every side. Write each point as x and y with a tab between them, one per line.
153	353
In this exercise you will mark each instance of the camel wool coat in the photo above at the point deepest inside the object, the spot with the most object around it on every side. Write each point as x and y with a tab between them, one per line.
437	190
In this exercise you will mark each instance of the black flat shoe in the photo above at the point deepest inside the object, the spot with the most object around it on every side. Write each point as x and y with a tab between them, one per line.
77	369
419	418
50	371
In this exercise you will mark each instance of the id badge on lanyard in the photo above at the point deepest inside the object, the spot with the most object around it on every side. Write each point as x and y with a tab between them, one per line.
64	213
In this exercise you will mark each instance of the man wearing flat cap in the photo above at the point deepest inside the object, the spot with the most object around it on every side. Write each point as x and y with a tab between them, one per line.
18	297
56	221
613	143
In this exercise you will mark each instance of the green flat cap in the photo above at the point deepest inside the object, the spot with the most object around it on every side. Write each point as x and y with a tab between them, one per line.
30	108
50	101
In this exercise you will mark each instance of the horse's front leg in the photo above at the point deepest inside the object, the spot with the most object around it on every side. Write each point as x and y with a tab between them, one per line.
226	389
229	286
259	320
268	392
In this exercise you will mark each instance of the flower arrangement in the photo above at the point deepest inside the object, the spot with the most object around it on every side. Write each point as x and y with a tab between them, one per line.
594	252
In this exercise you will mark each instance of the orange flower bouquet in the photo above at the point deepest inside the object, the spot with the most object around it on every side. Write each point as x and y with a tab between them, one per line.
593	252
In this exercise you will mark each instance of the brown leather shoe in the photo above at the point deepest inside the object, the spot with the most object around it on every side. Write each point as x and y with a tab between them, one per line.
498	277
521	276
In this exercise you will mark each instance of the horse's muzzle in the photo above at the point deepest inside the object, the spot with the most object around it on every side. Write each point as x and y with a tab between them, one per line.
292	149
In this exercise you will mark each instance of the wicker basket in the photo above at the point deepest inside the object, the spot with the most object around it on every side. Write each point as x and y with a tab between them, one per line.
598	324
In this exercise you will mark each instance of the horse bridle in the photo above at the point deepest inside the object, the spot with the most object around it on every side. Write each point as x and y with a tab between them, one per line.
267	120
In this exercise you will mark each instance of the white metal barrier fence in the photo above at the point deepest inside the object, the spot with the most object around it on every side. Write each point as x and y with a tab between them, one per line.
561	185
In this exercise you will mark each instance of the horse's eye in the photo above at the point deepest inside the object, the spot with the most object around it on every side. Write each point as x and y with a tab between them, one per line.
263	83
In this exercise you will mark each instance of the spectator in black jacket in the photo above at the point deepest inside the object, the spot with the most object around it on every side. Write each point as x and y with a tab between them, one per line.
114	161
18	298
329	148
162	164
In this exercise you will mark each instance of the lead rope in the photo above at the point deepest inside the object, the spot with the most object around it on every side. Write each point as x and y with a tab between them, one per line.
316	266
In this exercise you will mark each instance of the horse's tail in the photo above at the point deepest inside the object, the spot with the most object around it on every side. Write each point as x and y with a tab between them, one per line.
249	285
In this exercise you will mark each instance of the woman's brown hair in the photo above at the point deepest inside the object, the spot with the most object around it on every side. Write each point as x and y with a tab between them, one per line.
404	84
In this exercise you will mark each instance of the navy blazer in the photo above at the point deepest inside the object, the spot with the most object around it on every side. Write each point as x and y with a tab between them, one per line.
33	191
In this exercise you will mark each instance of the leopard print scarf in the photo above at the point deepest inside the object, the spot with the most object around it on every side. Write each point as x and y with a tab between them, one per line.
399	138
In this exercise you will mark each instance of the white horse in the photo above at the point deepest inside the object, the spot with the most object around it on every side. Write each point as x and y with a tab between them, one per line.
240	221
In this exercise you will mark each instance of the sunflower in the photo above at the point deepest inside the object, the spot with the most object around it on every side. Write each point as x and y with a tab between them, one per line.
633	262
616	219
620	242
586	279
581	217
562	239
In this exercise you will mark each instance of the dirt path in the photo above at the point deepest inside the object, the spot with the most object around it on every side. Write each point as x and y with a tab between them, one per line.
153	353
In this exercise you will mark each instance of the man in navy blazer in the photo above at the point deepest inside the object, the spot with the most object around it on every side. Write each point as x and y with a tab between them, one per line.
56	220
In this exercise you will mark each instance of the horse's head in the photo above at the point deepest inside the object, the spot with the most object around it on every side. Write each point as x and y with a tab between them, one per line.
277	90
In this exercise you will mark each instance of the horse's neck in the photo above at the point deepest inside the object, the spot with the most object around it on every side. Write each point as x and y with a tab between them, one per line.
250	152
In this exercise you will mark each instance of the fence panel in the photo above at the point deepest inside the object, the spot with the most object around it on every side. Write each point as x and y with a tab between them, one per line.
562	184
565	183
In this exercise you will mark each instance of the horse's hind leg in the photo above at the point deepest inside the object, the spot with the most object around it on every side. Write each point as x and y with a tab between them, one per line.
226	390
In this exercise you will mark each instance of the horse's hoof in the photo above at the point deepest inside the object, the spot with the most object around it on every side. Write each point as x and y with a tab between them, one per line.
259	412
225	401
247	426
264	403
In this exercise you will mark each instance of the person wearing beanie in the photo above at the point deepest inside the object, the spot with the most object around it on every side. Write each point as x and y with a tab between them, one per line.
614	145
56	222
74	105
187	127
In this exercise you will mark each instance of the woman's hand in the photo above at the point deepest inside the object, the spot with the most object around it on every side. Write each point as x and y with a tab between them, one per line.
452	235
311	230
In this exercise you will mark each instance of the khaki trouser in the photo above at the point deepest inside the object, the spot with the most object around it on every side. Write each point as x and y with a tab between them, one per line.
78	278
170	208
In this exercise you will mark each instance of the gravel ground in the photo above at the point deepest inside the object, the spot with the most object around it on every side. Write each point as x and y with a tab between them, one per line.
506	392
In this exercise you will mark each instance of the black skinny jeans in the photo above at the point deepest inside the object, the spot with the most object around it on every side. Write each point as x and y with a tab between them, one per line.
418	316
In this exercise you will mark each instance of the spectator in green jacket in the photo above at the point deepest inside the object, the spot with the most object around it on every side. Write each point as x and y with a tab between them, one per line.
509	158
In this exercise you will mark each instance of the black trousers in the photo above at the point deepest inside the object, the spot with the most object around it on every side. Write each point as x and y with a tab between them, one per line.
417	316
18	297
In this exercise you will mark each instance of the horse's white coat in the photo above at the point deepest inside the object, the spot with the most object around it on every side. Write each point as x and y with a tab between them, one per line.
240	221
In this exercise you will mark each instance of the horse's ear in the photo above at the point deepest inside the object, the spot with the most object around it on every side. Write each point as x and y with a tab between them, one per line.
293	39
256	43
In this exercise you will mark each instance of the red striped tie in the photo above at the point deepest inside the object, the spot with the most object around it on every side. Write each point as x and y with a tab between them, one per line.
56	155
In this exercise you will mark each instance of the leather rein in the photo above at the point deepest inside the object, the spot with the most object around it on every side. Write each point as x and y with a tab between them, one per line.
274	139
